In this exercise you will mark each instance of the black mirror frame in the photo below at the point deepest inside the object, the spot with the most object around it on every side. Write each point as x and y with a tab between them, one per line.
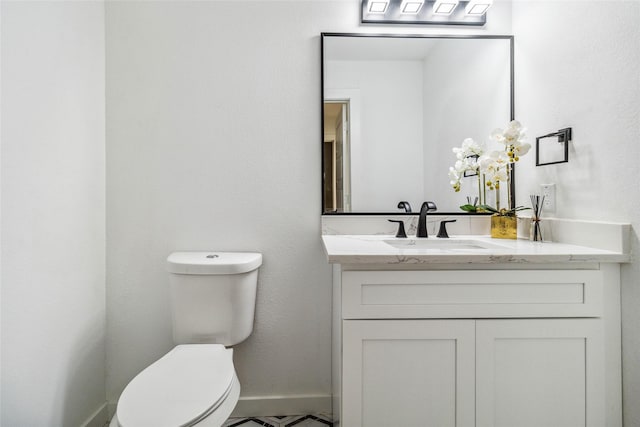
425	36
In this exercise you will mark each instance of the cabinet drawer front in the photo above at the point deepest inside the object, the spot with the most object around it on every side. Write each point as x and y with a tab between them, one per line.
471	294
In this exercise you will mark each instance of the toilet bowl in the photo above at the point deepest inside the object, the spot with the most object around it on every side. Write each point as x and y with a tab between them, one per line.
192	385
195	384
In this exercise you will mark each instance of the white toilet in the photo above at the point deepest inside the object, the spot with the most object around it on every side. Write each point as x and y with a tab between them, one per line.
213	297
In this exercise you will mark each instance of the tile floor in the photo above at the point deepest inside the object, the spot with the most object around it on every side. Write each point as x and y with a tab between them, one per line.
286	421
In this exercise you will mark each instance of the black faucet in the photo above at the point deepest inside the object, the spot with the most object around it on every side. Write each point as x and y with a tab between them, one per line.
422	220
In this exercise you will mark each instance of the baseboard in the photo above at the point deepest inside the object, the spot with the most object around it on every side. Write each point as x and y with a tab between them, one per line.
282	405
98	419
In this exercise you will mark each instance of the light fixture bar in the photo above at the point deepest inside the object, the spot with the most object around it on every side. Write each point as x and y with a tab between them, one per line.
435	12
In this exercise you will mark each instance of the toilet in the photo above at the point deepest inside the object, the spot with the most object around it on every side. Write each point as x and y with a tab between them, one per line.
213	297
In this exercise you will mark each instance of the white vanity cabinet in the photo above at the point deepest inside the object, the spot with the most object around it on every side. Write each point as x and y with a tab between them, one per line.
496	345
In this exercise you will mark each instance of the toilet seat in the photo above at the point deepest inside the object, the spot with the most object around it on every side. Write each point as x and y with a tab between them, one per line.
180	389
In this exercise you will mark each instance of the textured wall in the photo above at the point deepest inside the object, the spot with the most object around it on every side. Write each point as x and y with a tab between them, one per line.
213	133
580	67
53	213
213	143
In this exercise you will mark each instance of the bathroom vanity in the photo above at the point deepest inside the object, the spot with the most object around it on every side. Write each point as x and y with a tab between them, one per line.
474	331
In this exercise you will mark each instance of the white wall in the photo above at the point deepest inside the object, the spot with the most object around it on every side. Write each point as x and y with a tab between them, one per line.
578	65
213	142
53	238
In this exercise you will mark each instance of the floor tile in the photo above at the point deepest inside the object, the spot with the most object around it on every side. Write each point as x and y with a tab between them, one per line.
309	421
248	422
281	421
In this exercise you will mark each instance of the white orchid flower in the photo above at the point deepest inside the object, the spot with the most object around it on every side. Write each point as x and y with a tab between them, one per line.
513	139
500	175
469	148
497	135
500	157
520	150
455	178
453	173
493	166
515	125
493	161
513	134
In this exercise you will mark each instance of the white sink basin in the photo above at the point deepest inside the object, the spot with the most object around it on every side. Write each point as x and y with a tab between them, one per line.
442	244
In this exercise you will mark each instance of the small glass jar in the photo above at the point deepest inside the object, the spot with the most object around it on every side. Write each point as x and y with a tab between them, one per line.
535	230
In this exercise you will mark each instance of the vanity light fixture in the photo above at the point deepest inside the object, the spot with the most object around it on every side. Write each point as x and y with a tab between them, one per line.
444	7
434	12
411	6
478	7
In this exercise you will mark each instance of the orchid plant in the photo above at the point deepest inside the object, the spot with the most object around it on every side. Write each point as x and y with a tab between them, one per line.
492	168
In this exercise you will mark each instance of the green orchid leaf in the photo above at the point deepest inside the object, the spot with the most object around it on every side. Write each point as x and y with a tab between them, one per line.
488	208
469	208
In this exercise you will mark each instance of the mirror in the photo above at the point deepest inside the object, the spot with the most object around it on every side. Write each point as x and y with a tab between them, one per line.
394	108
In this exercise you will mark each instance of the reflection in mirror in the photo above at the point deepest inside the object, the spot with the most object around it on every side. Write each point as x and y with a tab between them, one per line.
337	188
395	106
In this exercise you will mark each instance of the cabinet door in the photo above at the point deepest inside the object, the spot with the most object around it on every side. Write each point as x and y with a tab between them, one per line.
408	373
542	372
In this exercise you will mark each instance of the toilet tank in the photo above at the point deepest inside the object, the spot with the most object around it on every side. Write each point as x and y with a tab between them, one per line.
213	296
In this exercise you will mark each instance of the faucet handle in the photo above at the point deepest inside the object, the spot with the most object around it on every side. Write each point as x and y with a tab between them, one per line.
442	233
429	206
401	232
404	205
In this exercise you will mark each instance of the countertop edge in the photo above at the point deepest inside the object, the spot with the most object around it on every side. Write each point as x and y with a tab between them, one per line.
369	250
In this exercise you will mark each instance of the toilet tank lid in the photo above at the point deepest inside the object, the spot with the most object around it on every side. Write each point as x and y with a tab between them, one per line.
213	262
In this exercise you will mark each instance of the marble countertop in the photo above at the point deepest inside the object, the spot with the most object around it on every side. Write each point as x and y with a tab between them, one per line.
385	249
